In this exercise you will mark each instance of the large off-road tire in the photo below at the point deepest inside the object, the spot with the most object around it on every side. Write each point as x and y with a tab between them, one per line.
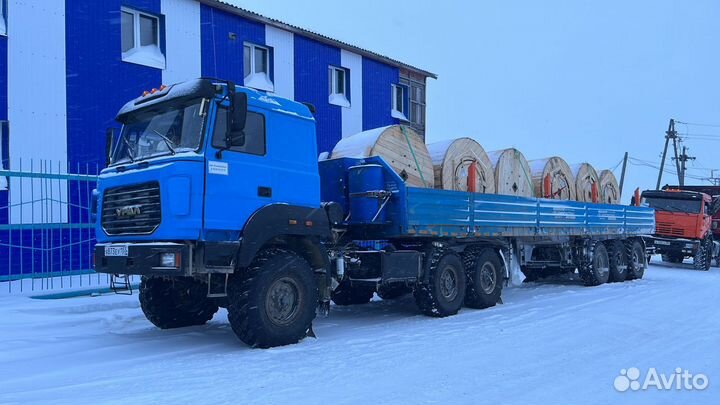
273	301
444	293
618	261
702	260
636	259
485	273
175	302
345	294
393	291
596	270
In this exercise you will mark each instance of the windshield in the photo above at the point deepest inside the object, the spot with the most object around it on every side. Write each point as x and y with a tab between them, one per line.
162	130
672	205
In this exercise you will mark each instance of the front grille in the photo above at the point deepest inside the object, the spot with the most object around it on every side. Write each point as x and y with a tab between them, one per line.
666	228
132	209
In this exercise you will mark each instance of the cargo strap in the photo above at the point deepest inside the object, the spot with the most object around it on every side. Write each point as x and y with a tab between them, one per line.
412	151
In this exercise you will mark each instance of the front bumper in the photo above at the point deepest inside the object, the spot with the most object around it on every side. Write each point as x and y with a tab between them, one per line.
662	245
143	259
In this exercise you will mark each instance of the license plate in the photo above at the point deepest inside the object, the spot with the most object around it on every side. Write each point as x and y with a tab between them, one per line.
662	242
116	251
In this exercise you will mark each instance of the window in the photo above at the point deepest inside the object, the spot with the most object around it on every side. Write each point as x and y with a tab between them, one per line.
140	38
339	86
417	103
256	67
3	17
398	102
254	133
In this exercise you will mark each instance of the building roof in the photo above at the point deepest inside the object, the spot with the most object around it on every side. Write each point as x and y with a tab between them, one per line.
231	8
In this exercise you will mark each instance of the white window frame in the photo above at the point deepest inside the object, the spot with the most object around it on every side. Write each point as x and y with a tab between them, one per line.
336	98
148	55
3	125
258	80
3	18
399	114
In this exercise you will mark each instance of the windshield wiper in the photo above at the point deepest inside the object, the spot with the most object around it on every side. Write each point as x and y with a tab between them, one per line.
168	142
131	150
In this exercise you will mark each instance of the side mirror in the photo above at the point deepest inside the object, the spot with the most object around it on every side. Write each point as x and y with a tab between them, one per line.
109	139
237	116
714	205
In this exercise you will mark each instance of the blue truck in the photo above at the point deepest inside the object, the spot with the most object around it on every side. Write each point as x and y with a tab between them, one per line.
213	193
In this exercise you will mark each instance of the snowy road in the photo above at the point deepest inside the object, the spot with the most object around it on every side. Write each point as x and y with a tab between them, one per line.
548	343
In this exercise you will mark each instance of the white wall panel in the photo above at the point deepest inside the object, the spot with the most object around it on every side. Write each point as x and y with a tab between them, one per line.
37	106
283	45
352	117
182	44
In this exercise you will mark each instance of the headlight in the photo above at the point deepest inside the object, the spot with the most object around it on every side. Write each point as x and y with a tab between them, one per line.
170	259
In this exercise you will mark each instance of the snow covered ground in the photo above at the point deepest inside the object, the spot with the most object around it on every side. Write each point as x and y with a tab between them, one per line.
549	344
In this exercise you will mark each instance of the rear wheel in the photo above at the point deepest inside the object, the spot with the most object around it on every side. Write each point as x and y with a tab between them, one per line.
273	302
175	302
484	271
618	261
597	270
444	294
636	260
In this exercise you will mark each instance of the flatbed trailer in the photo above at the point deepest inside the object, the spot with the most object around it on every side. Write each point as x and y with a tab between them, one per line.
214	194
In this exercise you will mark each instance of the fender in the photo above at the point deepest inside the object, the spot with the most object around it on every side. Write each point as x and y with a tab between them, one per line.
276	220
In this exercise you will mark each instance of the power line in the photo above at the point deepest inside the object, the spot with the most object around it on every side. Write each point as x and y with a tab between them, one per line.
698	124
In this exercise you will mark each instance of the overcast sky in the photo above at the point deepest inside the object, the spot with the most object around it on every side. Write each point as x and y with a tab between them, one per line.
584	80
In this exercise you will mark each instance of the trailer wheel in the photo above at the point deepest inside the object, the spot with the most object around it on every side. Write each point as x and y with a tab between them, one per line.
444	294
273	301
636	260
596	271
345	294
484	278
175	302
618	261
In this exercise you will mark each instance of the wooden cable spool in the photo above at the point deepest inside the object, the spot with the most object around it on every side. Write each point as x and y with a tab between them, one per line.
552	178
400	146
586	182
512	173
609	188
462	164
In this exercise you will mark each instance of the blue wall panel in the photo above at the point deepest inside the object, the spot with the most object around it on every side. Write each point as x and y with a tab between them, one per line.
376	85
3	116
222	57
98	81
312	60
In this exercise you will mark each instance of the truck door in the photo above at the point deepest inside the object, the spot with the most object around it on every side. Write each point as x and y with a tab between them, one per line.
238	182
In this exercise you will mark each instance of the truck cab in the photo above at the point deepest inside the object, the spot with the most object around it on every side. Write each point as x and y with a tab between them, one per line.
683	225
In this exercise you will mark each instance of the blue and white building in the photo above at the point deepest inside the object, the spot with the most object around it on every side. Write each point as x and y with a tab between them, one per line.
67	66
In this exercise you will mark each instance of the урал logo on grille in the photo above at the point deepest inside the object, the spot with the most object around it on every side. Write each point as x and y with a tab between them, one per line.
127	211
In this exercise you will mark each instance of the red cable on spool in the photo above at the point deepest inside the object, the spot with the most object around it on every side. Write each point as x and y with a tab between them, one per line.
472	177
547	186
594	193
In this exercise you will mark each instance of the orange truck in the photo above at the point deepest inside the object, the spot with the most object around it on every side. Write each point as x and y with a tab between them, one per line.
683	226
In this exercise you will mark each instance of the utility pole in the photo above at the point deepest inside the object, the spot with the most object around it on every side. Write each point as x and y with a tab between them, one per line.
622	174
712	179
682	159
669	134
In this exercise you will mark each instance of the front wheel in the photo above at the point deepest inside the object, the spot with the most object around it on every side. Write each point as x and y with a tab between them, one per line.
444	294
175	302
272	302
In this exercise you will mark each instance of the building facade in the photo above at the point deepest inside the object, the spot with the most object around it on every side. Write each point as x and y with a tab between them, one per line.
67	66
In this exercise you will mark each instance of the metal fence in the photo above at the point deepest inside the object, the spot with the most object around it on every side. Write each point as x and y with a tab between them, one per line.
46	230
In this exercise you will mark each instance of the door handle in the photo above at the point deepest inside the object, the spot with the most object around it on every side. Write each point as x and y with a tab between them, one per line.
264	191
